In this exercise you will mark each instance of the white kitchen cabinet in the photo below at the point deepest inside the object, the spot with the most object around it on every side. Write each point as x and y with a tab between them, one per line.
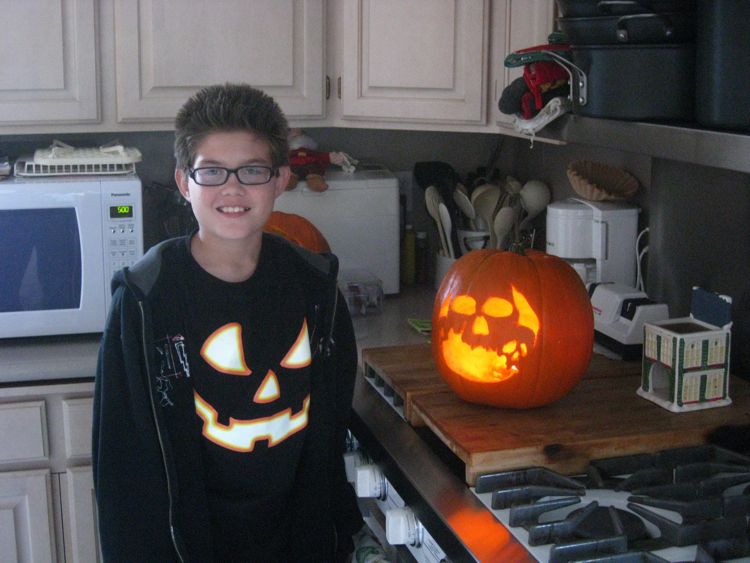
415	60
47	508
166	49
516	24
26	522
431	64
79	515
88	66
48	57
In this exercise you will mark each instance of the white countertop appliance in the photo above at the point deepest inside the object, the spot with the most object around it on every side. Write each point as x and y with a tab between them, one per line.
619	315
61	240
597	238
359	217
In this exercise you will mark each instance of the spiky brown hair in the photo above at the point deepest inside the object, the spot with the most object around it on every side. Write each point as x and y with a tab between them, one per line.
230	107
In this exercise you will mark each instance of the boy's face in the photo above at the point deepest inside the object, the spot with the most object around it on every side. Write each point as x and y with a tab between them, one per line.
232	211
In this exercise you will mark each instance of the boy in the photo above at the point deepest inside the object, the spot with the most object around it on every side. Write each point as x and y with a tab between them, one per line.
226	370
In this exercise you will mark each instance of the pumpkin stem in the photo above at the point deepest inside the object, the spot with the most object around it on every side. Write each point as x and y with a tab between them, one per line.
517	247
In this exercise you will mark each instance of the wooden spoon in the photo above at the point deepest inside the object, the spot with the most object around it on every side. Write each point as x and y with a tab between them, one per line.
464	204
535	196
512	186
445	220
503	224
485	205
479	190
432	201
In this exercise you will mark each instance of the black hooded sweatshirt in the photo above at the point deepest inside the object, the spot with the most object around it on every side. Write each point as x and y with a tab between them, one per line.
151	498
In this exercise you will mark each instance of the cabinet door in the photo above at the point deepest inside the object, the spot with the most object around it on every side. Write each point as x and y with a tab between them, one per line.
79	516
24	432
167	49
516	24
26	523
77	414
415	60
49	62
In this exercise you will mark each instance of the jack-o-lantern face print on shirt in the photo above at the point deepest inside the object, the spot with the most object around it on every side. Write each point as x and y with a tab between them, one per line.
224	352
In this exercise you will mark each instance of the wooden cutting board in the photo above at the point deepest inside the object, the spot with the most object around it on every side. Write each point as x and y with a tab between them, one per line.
406	370
601	417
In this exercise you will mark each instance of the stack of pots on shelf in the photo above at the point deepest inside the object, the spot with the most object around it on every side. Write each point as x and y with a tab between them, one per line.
722	60
632	60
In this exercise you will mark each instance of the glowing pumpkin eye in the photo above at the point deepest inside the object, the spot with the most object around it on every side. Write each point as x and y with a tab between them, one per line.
464	305
497	307
526	315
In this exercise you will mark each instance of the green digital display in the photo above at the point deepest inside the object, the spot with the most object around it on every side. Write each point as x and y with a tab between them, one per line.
120	211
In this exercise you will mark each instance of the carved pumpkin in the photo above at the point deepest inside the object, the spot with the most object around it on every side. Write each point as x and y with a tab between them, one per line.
298	230
512	330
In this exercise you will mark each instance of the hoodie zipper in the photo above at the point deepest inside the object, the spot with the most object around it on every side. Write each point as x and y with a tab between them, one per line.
325	345
330	342
172	530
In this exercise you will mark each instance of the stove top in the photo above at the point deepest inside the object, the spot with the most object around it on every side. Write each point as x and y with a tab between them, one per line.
692	501
682	504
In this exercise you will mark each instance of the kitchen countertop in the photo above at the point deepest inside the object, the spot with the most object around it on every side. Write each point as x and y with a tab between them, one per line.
49	358
390	327
74	357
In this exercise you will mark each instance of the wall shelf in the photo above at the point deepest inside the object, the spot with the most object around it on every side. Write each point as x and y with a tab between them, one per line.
720	149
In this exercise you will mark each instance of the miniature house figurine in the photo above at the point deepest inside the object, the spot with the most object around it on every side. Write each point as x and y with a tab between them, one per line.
686	360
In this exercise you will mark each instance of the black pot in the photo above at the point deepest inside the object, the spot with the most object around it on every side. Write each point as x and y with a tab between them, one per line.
722	60
593	8
636	82
674	27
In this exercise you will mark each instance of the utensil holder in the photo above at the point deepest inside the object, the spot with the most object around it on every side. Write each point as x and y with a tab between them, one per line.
442	265
472	240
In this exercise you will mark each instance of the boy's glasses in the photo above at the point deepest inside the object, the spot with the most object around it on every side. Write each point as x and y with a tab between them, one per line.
246	175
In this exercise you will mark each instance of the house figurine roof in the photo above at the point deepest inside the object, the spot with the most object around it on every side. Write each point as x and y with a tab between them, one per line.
711	308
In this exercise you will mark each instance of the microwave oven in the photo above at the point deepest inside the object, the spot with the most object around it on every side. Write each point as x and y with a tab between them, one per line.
61	240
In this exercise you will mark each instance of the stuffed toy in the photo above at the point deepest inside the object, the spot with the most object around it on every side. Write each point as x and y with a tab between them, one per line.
543	79
310	165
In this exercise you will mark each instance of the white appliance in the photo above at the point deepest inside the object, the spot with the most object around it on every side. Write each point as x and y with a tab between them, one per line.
359	217
619	315
61	240
597	238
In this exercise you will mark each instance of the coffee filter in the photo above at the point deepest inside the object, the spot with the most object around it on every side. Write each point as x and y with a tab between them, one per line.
597	181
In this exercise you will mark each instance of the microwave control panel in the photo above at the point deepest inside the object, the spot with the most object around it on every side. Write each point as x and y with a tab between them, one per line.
122	214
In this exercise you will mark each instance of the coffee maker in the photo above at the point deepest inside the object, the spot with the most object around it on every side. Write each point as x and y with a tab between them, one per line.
597	238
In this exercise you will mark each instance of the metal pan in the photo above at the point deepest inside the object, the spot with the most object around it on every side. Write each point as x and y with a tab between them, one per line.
674	27
593	8
633	82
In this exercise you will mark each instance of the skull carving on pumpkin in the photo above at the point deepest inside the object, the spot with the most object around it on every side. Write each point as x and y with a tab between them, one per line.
486	337
511	330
